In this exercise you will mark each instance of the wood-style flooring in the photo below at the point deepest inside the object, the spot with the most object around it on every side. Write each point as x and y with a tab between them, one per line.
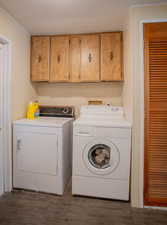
31	208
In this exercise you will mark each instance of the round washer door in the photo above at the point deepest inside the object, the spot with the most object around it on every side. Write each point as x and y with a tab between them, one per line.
101	156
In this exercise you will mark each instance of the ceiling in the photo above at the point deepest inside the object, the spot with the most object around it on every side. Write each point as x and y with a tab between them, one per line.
70	16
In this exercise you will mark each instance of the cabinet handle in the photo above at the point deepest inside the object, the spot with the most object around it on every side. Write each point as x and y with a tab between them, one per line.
58	58
111	56
18	144
90	57
39	59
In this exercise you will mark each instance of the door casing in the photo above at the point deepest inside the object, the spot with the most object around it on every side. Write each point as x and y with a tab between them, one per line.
5	113
1	139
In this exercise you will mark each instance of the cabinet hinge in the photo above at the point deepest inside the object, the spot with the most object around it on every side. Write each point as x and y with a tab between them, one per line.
69	76
121	37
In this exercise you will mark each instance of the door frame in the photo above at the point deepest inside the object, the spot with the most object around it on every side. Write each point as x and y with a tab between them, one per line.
6	132
141	164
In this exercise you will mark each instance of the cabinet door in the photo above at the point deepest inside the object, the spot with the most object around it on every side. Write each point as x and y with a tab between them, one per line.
60	70
111	57
40	50
75	55
89	58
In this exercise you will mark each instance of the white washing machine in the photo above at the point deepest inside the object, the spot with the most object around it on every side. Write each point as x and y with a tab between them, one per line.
42	151
101	153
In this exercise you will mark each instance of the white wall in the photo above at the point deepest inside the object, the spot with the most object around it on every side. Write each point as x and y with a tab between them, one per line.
22	90
134	88
79	94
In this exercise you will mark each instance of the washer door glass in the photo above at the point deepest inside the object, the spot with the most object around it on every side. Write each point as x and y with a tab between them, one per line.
100	156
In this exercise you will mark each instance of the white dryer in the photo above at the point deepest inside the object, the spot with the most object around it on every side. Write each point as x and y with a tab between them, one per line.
42	150
101	153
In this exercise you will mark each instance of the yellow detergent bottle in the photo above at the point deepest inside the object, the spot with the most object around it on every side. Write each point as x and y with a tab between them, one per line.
32	107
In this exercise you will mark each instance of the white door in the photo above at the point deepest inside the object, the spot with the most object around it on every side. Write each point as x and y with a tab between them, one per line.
36	153
1	121
35	158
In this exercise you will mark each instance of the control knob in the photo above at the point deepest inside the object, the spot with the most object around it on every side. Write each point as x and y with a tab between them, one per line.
65	110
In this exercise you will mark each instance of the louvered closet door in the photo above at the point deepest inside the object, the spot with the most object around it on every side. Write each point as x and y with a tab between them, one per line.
155	171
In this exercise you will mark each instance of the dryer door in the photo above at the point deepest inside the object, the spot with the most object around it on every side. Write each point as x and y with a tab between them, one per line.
36	152
101	156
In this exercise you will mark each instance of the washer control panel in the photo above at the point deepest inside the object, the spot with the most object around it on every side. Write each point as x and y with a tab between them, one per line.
104	110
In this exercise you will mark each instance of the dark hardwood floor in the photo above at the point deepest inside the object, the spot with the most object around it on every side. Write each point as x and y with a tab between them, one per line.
31	208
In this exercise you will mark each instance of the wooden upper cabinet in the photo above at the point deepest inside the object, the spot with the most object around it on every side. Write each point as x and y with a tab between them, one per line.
60	68
90	62
111	56
75	56
40	50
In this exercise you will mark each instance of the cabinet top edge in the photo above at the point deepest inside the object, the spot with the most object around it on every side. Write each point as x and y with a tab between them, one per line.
71	35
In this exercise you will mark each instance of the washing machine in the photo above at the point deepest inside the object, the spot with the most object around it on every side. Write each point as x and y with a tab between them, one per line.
101	153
